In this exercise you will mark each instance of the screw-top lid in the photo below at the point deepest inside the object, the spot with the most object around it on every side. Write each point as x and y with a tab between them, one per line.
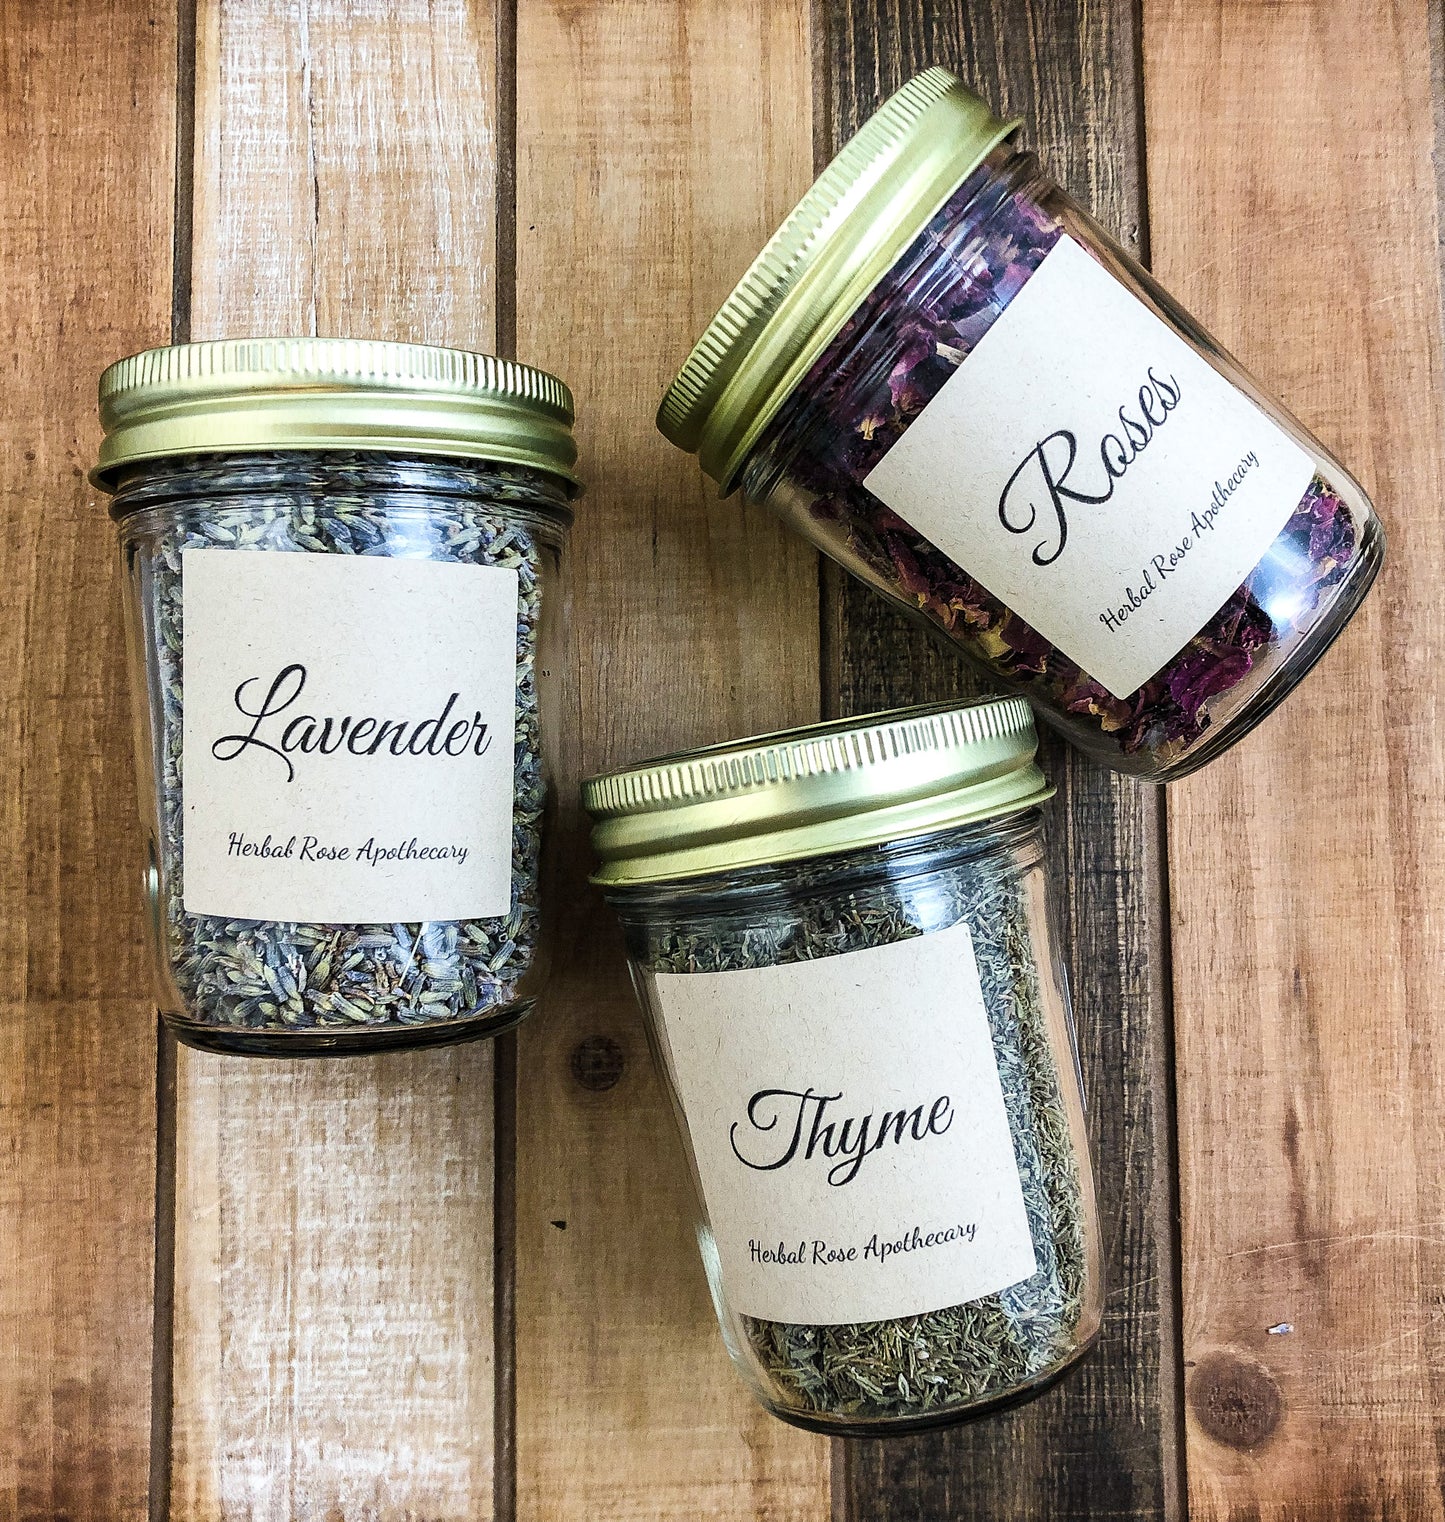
813	791
249	394
863	211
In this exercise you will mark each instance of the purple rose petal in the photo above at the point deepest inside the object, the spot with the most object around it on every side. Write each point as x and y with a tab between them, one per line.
889	361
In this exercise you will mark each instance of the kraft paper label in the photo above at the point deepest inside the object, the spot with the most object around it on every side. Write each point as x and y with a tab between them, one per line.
1095	474
348	737
848	1123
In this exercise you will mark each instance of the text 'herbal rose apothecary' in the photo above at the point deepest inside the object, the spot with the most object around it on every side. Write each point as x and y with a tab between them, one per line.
955	383
340	560
843	943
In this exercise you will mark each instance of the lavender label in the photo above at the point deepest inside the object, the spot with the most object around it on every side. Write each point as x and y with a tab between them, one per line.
849	1128
348	737
1095	474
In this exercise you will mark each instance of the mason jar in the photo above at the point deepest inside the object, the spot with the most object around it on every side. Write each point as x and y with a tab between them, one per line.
843	943
955	383
344	631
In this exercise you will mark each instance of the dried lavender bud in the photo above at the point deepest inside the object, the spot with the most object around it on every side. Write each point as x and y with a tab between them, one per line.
922	1366
248	975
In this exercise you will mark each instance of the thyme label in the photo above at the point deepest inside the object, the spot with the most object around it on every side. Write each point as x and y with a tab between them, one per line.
850	1108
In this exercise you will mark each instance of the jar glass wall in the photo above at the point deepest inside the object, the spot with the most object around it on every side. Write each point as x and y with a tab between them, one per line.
842	940
907	340
955	1359
283	985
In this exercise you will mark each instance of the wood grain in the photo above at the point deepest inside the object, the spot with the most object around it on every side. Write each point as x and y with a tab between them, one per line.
87	121
659	143
333	1254
1293	204
1102	1443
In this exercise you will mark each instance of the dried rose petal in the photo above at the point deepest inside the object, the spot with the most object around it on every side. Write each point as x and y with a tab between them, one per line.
1203	673
924	318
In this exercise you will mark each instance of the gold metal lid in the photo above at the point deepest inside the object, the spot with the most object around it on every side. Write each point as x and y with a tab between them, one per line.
247	394
813	791
863	211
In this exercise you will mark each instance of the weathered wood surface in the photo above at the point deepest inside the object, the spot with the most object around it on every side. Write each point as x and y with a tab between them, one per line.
1293	208
333	1248
1102	1443
658	145
580	184
87	106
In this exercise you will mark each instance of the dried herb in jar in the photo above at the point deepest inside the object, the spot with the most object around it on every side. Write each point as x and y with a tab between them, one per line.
852	411
946	376
923	1365
340	556
266	975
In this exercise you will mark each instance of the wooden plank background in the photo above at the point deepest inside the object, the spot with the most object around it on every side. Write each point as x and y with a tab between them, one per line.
87	137
1106	1442
1294	206
638	140
461	1284
333	1290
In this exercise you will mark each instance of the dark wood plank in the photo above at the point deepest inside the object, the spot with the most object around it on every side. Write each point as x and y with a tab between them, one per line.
87	131
1104	1443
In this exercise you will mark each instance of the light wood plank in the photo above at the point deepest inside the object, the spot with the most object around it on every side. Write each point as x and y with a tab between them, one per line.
333	1288
659	144
1069	68
1293	208
334	1282
87	128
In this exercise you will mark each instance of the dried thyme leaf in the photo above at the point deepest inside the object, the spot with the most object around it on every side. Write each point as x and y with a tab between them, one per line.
963	1354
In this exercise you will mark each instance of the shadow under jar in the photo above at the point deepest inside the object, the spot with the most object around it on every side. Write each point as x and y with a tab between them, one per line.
343	623
956	384
843	944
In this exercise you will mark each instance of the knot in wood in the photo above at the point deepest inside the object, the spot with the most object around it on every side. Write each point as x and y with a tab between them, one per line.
597	1063
1235	1400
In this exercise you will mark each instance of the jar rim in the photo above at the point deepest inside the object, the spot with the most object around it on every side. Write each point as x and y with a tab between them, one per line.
279	394
851	227
814	790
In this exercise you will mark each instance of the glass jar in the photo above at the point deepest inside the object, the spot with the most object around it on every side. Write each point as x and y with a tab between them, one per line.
843	943
343	623
957	385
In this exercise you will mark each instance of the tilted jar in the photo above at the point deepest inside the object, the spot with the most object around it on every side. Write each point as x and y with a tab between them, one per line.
344	630
844	946
954	382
